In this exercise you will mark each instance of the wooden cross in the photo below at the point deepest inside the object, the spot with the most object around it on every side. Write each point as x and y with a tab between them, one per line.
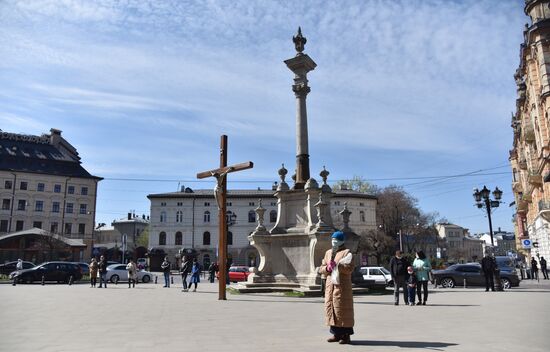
220	193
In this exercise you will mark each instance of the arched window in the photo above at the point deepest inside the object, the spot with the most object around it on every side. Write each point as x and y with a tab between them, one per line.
273	216
206	261
162	238
162	216
206	238
229	238
179	216
362	216
252	216
207	216
179	238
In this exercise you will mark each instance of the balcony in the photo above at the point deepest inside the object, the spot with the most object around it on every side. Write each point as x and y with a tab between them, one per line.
522	206
544	209
528	132
517	186
535	179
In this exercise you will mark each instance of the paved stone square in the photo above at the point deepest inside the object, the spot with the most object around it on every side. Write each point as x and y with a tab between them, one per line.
149	317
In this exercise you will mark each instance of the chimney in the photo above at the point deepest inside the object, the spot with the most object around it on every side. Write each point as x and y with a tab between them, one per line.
129	216
55	136
182	189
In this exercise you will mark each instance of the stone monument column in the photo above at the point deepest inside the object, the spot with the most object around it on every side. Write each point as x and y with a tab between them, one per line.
300	65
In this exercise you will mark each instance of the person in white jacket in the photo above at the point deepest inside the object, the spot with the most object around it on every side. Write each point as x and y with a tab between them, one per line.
132	273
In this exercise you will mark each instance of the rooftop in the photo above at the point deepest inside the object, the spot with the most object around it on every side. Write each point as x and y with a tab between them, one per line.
46	154
246	193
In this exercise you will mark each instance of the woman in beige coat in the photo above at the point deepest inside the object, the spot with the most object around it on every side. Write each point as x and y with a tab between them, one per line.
337	266
93	272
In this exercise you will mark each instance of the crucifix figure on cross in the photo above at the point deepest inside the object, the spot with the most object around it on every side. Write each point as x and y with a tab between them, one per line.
220	193
218	189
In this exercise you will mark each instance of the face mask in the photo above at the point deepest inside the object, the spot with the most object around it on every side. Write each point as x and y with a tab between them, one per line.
336	243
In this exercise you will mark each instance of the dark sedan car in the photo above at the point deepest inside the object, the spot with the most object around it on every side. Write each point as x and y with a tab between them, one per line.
7	268
456	274
51	271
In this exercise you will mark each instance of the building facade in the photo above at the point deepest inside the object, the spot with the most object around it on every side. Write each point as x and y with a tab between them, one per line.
43	185
530	154
189	220
108	240
459	246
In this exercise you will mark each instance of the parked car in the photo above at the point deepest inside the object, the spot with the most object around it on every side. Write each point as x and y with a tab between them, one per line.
238	273
472	273
7	268
380	275
357	279
51	271
85	267
118	272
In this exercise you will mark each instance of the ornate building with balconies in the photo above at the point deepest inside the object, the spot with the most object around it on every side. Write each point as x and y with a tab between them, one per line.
530	154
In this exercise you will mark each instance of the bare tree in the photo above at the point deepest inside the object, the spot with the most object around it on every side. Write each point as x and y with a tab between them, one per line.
377	244
358	184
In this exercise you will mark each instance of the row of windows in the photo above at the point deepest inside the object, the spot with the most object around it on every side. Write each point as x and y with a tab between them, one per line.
54	226
229	204
41	187
206	216
337	203
205	238
39	206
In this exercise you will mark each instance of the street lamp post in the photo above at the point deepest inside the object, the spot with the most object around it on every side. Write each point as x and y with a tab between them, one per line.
231	220
483	200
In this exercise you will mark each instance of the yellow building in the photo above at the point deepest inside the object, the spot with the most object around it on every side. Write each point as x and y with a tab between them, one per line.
531	151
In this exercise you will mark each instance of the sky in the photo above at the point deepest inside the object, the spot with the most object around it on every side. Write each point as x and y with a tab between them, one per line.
403	90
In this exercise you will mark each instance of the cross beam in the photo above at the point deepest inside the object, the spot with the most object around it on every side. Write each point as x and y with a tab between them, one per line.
220	193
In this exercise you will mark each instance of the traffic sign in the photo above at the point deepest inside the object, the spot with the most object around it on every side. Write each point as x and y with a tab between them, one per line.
526	244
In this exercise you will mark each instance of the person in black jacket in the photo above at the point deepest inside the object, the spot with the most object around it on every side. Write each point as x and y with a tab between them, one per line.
398	269
411	282
165	266
534	269
488	266
102	266
543	268
185	270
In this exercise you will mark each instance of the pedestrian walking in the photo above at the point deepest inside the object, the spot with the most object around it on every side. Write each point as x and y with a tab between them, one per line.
411	282
337	266
543	268
165	266
534	269
102	267
93	272
184	271
398	269
211	272
195	274
132	273
422	266
488	266
19	265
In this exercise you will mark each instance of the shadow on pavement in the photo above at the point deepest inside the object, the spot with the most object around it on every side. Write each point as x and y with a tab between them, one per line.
404	344
427	305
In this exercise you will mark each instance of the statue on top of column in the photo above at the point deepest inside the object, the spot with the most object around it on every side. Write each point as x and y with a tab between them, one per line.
299	42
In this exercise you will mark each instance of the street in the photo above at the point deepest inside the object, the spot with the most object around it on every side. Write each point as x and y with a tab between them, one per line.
79	318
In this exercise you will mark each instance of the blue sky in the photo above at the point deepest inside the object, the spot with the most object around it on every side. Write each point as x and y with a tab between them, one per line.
143	89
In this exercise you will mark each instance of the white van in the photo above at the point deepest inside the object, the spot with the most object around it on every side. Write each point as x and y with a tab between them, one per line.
380	275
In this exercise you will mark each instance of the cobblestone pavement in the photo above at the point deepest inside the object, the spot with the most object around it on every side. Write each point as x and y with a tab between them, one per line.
149	317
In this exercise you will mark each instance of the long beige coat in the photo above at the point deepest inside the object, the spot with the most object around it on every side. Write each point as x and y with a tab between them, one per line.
338	298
